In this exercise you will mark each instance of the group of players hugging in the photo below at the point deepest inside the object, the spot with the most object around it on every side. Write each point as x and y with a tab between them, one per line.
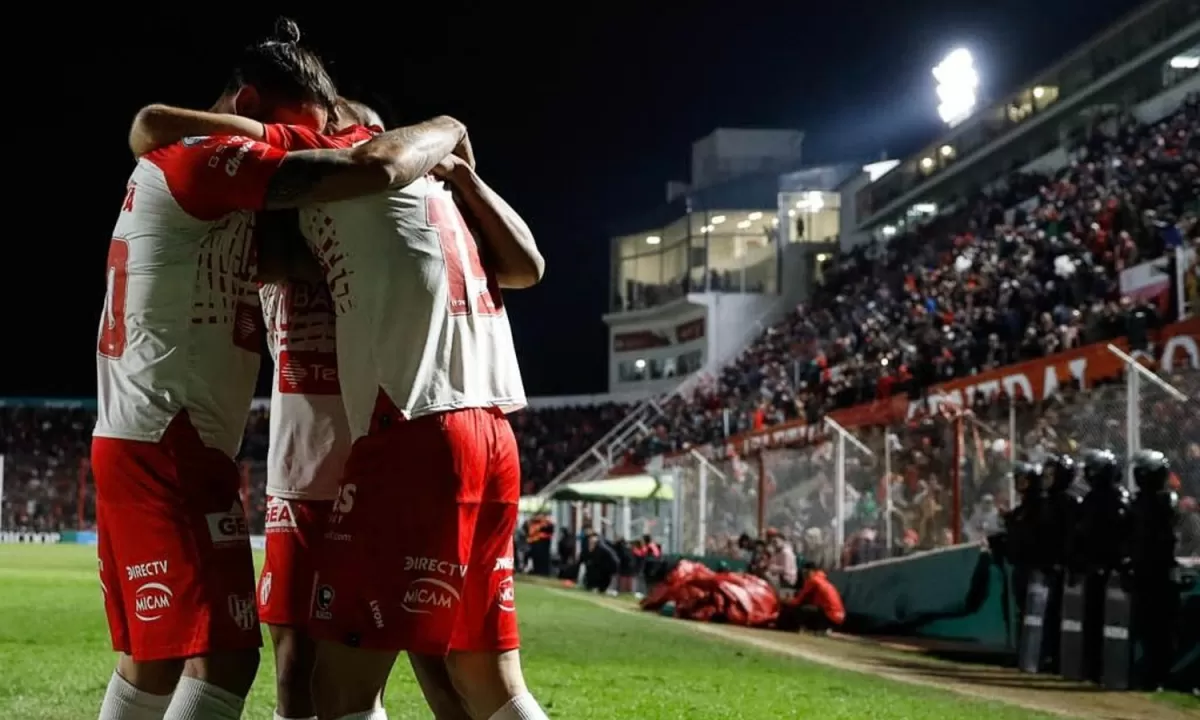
1094	569
375	260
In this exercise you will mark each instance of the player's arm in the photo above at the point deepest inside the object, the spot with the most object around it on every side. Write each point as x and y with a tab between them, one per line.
221	174
516	260
157	126
392	159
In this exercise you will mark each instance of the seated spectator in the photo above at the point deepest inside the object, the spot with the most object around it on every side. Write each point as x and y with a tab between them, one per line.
781	566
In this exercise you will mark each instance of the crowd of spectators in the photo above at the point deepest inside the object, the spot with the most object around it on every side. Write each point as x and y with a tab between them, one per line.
1022	270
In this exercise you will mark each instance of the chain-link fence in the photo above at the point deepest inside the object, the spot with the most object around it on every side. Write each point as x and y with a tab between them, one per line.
718	502
1169	421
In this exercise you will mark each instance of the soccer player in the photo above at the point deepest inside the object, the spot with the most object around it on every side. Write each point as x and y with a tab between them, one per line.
175	373
309	443
418	555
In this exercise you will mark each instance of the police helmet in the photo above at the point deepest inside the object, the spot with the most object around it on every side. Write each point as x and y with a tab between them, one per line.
1058	472
1151	469
1101	469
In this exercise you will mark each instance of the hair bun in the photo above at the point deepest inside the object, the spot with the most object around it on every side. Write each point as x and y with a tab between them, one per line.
286	30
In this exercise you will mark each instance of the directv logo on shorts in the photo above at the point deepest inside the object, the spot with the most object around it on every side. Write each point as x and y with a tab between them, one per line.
433	565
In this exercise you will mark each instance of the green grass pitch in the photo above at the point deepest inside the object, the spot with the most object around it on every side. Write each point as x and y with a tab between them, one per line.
582	661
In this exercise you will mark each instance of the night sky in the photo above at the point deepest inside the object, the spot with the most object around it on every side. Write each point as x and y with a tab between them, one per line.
578	115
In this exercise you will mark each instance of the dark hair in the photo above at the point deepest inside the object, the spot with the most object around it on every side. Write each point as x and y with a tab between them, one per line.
282	71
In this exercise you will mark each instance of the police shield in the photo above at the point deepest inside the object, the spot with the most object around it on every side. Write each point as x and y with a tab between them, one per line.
1072	664
1029	647
1117	648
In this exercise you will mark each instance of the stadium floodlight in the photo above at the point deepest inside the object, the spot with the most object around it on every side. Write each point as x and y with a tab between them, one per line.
1186	61
957	83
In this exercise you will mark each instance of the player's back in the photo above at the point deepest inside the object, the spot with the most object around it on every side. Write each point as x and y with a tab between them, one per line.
309	440
419	317
177	331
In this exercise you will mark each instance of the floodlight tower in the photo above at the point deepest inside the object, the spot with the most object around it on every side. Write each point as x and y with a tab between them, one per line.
958	82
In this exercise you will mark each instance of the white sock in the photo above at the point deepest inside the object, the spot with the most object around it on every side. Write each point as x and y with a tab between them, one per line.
280	717
123	701
376	714
522	707
198	700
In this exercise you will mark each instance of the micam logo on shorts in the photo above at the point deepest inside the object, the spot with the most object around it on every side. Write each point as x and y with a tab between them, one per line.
146	569
280	516
506	596
229	528
435	566
425	595
151	600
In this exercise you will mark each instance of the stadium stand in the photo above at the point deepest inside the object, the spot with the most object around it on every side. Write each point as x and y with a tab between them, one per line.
1022	271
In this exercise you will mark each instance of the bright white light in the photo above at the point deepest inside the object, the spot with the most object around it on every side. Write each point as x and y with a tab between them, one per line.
957	82
653	240
816	200
717	219
639	364
1185	62
743	225
889	230
755	216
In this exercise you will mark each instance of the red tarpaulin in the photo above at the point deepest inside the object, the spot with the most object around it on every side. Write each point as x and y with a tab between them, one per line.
701	594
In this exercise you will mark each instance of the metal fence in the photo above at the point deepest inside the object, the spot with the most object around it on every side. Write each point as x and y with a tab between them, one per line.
941	477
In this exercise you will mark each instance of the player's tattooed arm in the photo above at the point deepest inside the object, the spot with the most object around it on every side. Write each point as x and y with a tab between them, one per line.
391	159
157	126
509	243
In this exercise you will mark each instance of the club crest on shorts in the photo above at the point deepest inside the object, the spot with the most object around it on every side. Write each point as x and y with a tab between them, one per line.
243	612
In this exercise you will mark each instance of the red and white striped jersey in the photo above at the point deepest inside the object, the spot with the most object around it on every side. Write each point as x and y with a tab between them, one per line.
178	332
418	315
309	439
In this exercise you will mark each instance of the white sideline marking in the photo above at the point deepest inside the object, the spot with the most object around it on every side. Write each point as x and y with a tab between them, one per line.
761	643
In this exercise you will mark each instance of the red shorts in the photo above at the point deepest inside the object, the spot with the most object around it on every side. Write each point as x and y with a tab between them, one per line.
294	529
419	551
174	547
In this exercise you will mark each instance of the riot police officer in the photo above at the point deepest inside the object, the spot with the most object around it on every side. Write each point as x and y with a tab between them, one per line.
1101	543
1055	528
1100	546
1062	510
1021	526
1155	514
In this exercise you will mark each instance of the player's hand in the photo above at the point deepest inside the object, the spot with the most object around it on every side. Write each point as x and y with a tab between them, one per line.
451	168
